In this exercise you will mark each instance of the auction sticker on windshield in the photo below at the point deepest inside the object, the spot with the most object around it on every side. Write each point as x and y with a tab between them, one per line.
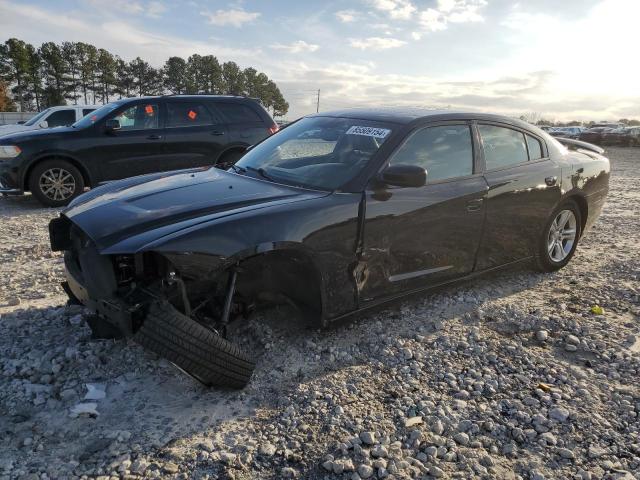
368	131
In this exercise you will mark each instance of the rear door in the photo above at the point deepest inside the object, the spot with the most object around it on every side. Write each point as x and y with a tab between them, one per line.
420	237
136	148
195	134
523	189
246	126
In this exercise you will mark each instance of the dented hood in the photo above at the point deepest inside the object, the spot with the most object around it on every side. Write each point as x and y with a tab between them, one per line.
149	207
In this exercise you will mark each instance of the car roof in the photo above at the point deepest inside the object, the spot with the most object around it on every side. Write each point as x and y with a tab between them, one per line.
232	98
406	115
62	107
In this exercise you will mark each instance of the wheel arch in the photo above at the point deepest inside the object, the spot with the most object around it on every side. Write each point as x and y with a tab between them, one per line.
583	206
289	270
88	180
233	148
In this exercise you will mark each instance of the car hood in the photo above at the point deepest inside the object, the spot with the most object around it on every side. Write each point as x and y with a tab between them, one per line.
9	129
29	133
126	215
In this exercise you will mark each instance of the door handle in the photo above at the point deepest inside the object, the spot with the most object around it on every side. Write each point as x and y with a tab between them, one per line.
474	205
217	133
551	181
154	137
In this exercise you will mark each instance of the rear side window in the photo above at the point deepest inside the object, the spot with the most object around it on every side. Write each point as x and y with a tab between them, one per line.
535	149
61	118
502	146
443	151
237	113
87	111
187	114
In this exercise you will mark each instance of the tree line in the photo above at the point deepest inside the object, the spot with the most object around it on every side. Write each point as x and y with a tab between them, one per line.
36	78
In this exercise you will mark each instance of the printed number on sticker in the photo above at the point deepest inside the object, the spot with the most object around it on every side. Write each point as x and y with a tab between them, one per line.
368	131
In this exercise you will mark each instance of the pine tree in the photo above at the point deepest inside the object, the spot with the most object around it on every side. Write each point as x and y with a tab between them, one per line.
70	53
87	58
55	70
14	57
174	75
233	78
124	79
105	74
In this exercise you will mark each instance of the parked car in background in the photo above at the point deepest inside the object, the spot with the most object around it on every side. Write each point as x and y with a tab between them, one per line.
63	116
567	132
337	213
593	135
130	137
624	137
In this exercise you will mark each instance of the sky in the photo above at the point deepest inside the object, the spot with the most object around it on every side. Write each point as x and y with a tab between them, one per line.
559	59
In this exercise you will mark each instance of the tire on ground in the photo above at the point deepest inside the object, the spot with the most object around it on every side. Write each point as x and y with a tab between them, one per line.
542	261
40	168
193	348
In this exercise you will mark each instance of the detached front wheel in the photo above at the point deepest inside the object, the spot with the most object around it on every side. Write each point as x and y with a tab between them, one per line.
55	182
194	348
560	237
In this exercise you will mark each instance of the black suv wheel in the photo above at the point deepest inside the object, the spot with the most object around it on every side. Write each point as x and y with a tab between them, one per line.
55	182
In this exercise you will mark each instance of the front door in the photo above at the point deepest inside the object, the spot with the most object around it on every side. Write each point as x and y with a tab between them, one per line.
136	148
419	237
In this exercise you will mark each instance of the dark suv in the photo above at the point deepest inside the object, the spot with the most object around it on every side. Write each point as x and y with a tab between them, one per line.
131	137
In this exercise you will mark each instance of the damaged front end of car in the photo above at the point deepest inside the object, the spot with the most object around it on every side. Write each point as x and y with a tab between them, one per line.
177	305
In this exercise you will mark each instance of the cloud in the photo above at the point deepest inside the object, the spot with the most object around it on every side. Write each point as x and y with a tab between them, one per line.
396	9
296	47
153	9
236	17
376	43
451	11
346	16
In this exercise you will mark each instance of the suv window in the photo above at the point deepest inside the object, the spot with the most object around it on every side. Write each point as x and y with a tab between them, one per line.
181	114
237	113
142	116
61	118
535	149
444	152
502	146
87	111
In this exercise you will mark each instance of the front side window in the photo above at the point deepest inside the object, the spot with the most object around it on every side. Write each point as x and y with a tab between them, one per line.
503	147
187	114
316	152
38	118
143	116
96	115
444	152
61	118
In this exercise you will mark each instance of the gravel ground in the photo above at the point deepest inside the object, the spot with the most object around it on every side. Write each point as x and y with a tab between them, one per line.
509	376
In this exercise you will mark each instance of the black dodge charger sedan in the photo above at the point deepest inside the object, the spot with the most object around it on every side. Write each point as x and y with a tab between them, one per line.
339	212
129	137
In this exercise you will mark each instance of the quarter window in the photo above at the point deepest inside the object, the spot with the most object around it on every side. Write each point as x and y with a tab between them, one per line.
502	146
87	111
143	116
61	118
535	149
187	115
443	151
237	113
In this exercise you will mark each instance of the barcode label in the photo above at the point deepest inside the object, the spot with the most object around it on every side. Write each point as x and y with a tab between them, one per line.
369	131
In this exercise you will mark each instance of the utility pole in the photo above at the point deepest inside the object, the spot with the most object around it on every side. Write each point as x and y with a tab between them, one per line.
318	102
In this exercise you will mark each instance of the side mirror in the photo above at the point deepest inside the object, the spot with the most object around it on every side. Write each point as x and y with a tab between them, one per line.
112	125
404	176
43	124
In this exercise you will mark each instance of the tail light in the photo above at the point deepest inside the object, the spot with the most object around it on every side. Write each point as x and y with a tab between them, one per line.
274	128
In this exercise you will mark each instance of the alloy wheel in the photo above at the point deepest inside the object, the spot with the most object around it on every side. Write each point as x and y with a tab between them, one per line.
57	184
562	236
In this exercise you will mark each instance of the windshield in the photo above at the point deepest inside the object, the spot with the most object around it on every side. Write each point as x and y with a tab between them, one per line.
96	115
317	152
33	120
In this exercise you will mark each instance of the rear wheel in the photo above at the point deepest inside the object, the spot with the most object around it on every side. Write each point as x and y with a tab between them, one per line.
560	237
55	182
194	348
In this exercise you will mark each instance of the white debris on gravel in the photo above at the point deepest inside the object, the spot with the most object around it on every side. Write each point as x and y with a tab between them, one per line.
513	376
